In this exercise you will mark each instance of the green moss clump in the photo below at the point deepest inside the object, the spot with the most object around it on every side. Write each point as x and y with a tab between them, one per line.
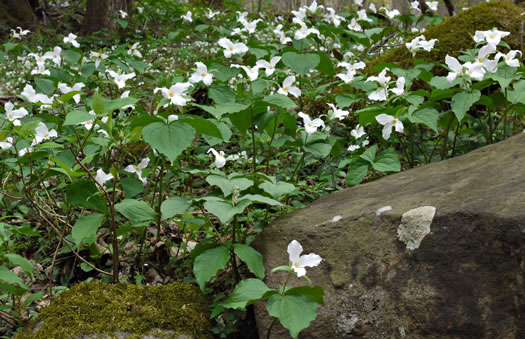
454	34
97	308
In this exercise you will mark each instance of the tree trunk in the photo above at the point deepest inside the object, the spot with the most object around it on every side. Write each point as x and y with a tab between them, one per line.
100	15
17	13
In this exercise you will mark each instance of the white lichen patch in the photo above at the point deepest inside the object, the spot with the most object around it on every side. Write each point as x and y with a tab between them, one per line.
336	218
415	225
383	210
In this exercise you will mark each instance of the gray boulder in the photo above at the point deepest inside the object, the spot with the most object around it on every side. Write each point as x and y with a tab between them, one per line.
446	261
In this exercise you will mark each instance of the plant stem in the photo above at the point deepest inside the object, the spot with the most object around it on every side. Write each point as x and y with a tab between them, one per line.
254	159
281	293
270	146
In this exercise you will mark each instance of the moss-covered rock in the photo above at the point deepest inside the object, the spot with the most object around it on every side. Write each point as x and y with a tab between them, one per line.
124	311
454	34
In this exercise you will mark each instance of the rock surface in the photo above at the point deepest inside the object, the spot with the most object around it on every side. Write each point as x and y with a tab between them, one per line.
464	280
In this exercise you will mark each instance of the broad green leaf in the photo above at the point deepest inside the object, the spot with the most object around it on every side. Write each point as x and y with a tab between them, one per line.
16	259
68	96
138	65
462	101
442	82
224	210
77	117
251	257
209	263
301	63
173	206
9	276
295	312
259	53
220	109
136	211
261	199
246	293
277	189
325	64
370	154
132	187
45	86
227	185
346	99
357	170
222	72
98	103
319	149
221	93
518	94
387	161
170	140
84	193
27	128
428	116
259	86
316	293
203	126
86	227
118	103
71	56
504	75
280	100
33	297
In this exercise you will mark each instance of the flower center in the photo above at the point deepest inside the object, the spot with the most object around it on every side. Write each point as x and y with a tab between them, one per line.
394	121
137	169
285	89
296	264
172	94
203	74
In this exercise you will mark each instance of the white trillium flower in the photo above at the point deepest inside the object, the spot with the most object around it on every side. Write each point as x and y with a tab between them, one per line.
354	26
338	113
102	177
24	151
125	94
400	86
484	52
40	69
133	50
359	3
123	14
30	94
382	92
201	74
300	14
298	261
251	72
230	48
304	31
120	79
211	13
250	26
66	89
361	15
54	55
288	88
310	125
455	67
509	58
187	17
284	39
6	144
332	17
358	131
475	70
43	133
352	148
138	169
14	114
388	122
269	67
391	13
415	5
492	37
433	5
220	159
71	39
313	7
97	57
175	93
172	117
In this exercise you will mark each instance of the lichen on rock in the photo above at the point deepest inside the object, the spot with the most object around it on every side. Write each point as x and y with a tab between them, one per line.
98	310
415	225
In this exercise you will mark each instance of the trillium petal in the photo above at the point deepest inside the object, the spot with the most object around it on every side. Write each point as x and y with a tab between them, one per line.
309	260
294	251
300	271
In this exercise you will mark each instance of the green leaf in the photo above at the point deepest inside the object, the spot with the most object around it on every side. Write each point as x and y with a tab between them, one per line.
98	103
132	187
462	101
33	297
387	161
28	128
227	185
45	86
427	116
224	210
261	199
84	193
136	211
357	170
174	206
86	227
221	93
280	100
10	277
170	140
442	82
220	109
319	149
77	117
209	263
251	257
18	260
504	75
203	126
346	99
295	312
246	293
118	103
370	154
68	96
518	94
325	64
316	293
277	189
71	56
301	63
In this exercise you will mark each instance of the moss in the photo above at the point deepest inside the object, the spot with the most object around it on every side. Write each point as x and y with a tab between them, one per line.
97	308
454	34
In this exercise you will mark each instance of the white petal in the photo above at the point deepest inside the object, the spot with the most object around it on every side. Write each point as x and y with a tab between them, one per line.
309	260
294	251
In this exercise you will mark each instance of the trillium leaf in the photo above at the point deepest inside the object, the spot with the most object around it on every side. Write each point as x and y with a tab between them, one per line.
227	185
277	189
387	161
427	116
357	170
462	101
325	64
316	293
221	93
504	75
518	94
136	211
280	100
319	149
84	193
203	126
98	103
174	206
209	263
247	292
301	63
9	276
118	103
45	86
252	258
224	210
370	154
77	117
261	199
170	140
295	312
86	227
18	260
